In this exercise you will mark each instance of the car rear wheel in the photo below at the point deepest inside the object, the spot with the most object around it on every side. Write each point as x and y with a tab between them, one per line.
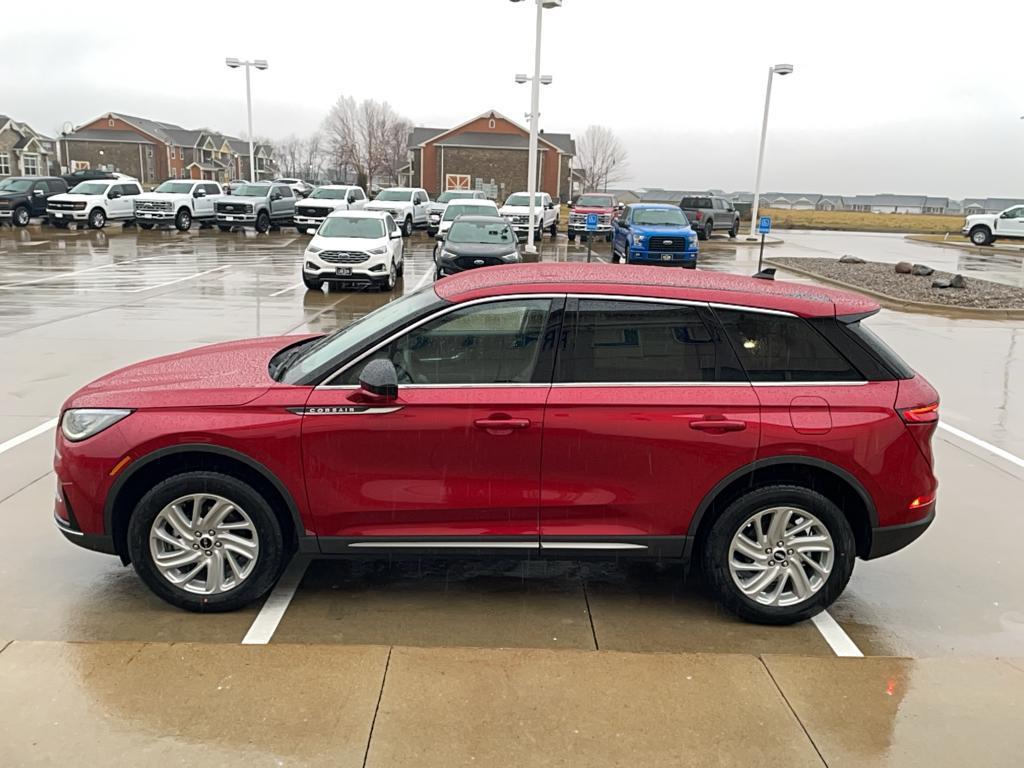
554	228
204	541
981	236
20	216
709	229
263	222
407	227
572	236
779	554
735	230
183	221
97	218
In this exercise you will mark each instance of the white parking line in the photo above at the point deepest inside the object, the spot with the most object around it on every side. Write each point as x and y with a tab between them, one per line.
423	280
265	624
837	639
59	276
17	440
286	290
995	449
179	280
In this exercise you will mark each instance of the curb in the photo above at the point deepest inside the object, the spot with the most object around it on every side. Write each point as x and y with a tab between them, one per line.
921	307
984	250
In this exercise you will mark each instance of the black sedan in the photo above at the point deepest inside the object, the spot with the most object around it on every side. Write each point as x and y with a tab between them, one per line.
476	241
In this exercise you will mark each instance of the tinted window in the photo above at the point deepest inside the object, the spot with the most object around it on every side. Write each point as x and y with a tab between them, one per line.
782	348
211	189
635	342
595	201
284	191
494	232
494	343
336	226
881	350
57	186
695	202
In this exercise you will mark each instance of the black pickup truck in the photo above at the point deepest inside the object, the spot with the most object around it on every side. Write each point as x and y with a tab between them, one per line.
22	197
707	213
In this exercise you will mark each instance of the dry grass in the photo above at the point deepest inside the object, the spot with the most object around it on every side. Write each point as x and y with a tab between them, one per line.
856	221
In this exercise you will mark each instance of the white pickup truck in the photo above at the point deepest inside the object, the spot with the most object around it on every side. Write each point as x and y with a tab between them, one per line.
516	211
986	228
311	212
178	202
407	205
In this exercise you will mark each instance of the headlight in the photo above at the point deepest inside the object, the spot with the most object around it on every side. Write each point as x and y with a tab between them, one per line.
80	423
313	249
693	243
447	255
514	256
378	251
638	240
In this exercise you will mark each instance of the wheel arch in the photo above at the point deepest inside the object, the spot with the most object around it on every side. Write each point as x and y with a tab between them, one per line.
834	482
143	473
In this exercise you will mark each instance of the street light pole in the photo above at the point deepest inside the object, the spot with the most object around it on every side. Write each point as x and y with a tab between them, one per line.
259	64
781	69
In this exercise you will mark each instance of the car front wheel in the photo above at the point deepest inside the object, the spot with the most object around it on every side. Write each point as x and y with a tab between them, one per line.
779	554
407	227
20	216
263	222
204	541
183	221
981	236
97	218
388	283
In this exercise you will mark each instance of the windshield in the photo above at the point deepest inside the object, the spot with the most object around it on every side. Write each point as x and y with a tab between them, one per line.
447	197
596	201
345	226
15	185
252	190
321	193
333	349
395	195
457	209
523	198
177	187
656	216
91	188
481	232
696	202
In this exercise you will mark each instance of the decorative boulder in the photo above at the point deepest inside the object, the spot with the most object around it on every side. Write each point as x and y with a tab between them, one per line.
958	281
848	259
903	268
921	270
941	283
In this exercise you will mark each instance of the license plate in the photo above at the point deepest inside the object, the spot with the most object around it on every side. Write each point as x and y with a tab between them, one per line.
343	271
666	257
229	218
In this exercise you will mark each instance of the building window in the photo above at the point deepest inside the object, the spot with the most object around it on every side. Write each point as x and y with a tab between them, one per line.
491	123
110	122
149	150
5	164
174	173
31	164
173	151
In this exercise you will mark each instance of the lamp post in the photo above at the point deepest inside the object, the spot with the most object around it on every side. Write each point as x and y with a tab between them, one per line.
259	64
536	81
778	69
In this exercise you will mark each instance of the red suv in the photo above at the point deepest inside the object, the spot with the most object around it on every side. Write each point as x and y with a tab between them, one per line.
552	410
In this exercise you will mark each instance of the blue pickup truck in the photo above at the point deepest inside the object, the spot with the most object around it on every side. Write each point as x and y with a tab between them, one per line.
650	233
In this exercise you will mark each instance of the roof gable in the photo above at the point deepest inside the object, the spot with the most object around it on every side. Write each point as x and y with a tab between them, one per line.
490	115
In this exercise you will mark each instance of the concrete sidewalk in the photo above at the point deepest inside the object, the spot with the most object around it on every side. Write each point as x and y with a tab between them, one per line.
160	704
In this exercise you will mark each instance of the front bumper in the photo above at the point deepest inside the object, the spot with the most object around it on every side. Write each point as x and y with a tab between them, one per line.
522	226
66	215
236	218
155	215
664	259
308	221
6	213
965	230
374	269
892	538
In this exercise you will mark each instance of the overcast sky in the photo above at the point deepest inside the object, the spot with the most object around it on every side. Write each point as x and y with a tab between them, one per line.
905	96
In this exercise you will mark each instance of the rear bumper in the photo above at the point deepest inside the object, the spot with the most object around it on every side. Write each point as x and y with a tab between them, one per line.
892	538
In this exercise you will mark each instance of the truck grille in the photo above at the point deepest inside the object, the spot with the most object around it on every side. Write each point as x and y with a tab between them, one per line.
344	257
470	262
580	219
521	219
317	212
61	205
152	205
233	208
667	244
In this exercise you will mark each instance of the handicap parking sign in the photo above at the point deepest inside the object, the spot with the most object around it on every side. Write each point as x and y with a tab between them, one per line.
591	222
764	225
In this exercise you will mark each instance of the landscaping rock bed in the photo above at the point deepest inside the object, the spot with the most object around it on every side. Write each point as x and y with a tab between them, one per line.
883	278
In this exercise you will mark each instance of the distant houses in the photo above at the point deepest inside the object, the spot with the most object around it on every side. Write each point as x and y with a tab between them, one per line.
802	201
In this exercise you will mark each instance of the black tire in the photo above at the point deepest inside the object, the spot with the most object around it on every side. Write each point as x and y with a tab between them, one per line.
437	275
312	283
431	232
608	237
981	236
401	268
388	283
269	560
183	221
538	235
97	218
262	222
709	229
572	236
554	229
145	224
224	227
735	230
20	216
715	553
407	227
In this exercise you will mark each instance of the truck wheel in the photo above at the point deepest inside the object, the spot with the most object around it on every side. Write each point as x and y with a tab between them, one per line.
571	234
145	224
183	221
20	216
735	229
97	218
538	235
407	227
709	229
263	222
981	236
554	228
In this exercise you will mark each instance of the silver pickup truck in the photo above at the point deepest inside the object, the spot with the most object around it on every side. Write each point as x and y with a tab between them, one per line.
260	205
707	214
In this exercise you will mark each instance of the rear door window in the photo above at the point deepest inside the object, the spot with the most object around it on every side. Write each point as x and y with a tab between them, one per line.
783	348
637	342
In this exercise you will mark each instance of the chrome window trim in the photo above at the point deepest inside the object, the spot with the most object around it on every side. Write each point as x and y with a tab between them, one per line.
326	384
640	299
745	308
630	384
809	383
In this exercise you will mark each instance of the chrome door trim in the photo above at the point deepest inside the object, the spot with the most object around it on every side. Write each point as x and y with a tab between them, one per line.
747	308
429	544
592	545
344	410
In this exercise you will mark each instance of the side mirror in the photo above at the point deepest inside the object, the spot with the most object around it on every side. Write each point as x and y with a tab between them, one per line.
439	237
351	199
396	234
311	231
379	381
571	205
624	225
619	206
200	192
275	196
37	192
113	194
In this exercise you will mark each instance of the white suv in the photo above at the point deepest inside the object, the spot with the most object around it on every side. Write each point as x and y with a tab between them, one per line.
407	205
516	211
180	202
311	212
95	202
353	247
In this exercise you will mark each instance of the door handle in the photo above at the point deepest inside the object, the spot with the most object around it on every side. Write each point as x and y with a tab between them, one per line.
501	426
718	425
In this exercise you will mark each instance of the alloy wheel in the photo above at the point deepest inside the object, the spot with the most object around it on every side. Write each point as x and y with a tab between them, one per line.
204	544
781	556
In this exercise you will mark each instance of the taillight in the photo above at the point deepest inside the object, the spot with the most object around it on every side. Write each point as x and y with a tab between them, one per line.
699	215
922	414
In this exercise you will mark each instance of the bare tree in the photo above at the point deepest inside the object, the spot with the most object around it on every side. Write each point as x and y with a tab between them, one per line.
601	158
367	136
393	144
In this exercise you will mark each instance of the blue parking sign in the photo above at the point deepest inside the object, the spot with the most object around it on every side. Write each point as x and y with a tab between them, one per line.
591	222
764	225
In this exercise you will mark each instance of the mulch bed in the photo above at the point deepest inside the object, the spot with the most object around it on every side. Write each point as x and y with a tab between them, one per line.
876	276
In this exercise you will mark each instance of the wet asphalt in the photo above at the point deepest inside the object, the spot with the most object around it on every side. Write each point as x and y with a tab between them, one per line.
76	304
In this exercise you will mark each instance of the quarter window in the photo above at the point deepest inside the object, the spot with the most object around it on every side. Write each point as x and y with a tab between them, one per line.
5	164
495	343
783	348
633	342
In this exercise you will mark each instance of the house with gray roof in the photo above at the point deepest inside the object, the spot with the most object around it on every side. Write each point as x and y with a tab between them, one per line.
24	151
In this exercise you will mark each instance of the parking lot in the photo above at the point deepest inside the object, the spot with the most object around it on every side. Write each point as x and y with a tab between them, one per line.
76	304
